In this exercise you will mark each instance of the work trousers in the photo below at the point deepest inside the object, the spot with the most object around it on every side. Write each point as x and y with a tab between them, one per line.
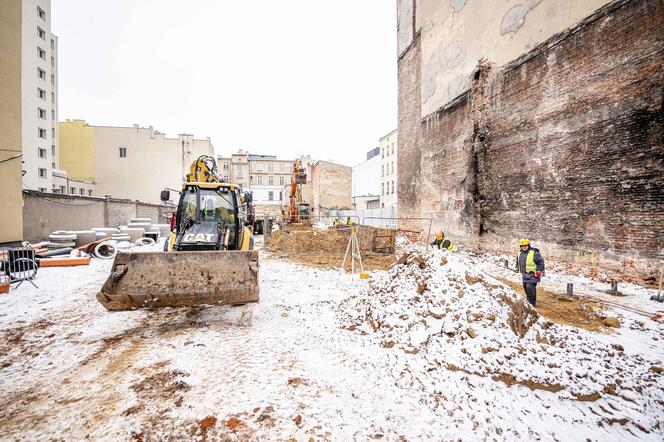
531	292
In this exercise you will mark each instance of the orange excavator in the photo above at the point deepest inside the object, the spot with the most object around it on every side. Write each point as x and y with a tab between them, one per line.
298	211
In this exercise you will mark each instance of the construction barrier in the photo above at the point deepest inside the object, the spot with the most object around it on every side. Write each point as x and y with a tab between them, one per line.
19	264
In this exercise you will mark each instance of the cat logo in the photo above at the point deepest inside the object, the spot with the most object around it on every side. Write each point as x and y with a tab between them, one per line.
198	237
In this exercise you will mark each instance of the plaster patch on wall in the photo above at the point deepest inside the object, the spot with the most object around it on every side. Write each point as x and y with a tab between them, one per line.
451	57
515	17
457	5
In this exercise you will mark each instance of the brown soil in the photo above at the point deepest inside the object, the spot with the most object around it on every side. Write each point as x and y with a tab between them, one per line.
560	309
326	261
333	240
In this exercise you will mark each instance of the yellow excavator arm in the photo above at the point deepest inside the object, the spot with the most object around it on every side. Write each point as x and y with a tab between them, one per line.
203	170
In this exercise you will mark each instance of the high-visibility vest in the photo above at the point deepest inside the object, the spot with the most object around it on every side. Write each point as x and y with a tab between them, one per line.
449	247
530	261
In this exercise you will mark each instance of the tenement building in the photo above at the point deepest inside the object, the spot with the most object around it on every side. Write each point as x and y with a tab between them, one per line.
536	119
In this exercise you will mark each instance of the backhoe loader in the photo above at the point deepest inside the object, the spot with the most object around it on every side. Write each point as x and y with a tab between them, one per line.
207	259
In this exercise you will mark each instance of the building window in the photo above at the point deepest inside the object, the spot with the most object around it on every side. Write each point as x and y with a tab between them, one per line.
259	179
392	148
41	33
81	192
123	152
270	180
42	189
382	153
225	166
72	190
251	180
41	132
53	79
53	149
41	73
52	97
238	171
53	132
382	170
281	195
41	112
282	180
89	192
281	167
63	189
52	61
41	152
52	165
392	167
52	115
392	186
41	13
270	196
42	173
41	53
42	93
382	188
52	44
225	178
270	167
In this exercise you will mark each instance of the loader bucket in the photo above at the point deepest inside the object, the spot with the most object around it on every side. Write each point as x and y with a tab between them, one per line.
180	279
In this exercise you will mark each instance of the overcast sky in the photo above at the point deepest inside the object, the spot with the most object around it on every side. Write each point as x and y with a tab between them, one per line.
272	76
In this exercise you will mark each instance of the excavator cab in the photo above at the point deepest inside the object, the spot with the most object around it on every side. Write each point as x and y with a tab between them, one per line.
208	260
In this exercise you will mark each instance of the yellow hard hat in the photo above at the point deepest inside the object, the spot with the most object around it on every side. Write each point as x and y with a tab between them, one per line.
524	242
439	235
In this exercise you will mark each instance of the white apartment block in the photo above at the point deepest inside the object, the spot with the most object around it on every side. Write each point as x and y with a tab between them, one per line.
39	90
388	170
366	182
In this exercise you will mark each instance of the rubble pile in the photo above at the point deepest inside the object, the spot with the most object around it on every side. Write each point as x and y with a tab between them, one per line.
333	240
451	316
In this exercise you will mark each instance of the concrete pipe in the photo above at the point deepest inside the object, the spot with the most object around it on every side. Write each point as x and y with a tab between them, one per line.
101	235
62	237
154	234
105	250
60	245
145	241
146	226
140	221
164	229
120	237
134	233
109	230
84	237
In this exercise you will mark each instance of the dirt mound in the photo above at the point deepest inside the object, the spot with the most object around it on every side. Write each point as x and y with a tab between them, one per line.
333	240
442	308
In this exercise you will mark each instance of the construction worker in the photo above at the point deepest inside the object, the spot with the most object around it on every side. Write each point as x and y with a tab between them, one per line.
349	222
530	264
336	222
442	241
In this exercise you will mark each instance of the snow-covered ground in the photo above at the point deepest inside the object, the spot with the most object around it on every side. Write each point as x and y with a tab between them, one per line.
309	362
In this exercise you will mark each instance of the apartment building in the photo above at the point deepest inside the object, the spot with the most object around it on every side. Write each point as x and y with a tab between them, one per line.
125	162
11	226
39	95
366	182
388	169
264	175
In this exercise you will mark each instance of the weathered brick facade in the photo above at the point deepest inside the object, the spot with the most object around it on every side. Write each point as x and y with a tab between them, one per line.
563	145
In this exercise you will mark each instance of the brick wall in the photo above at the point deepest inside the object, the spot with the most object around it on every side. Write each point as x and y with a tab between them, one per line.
563	145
